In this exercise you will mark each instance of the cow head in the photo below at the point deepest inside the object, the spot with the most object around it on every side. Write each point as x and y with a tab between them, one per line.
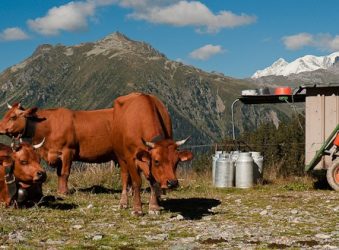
160	161
26	164
14	121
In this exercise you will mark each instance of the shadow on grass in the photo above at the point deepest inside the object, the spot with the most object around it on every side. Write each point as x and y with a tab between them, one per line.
53	202
191	208
320	182
322	185
97	189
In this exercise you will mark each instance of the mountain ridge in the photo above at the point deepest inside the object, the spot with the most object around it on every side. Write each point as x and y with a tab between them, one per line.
306	63
91	75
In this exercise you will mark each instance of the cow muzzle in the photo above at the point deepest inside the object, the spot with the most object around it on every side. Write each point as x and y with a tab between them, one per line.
171	184
40	177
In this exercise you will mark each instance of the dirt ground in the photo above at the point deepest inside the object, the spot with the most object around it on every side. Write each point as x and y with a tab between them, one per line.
196	216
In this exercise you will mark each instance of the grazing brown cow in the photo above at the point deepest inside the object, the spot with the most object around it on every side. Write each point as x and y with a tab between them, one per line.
21	175
70	135
143	141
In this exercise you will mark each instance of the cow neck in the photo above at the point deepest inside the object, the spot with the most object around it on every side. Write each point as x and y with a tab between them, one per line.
29	130
11	183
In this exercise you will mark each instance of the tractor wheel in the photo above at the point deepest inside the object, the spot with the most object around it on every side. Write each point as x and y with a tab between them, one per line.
332	175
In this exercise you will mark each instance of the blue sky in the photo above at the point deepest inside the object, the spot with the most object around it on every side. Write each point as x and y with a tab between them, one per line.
234	37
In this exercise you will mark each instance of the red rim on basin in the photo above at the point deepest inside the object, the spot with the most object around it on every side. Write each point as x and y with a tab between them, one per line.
283	91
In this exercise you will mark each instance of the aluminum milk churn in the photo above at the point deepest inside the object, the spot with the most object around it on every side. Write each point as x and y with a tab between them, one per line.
214	161
224	172
244	170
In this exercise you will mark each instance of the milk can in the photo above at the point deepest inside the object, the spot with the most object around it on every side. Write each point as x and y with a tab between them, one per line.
214	162
224	172
234	156
244	170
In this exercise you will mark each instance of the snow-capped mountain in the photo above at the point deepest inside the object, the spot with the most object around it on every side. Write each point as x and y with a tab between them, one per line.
302	64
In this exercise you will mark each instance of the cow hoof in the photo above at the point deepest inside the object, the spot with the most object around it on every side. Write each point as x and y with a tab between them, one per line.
153	212
155	208
137	213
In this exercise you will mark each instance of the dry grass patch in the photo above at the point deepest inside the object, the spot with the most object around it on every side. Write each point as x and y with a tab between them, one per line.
194	216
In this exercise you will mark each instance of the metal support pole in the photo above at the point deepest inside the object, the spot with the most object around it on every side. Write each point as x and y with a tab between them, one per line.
232	110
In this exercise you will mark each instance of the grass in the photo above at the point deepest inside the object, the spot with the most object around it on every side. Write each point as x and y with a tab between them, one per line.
90	218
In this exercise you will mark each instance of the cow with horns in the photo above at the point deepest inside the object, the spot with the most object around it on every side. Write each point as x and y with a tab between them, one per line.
70	135
21	175
143	141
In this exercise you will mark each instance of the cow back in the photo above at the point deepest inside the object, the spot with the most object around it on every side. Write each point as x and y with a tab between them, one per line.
139	116
85	135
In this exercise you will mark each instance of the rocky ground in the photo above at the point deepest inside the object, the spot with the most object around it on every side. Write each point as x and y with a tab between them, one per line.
196	216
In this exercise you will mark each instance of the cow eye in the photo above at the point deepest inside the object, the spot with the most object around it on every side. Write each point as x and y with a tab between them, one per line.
156	162
12	118
24	162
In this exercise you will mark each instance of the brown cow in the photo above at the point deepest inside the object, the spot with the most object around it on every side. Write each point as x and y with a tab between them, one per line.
143	140
70	135
21	175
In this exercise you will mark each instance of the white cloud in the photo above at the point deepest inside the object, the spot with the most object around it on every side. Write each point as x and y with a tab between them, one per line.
185	13
142	5
69	17
327	42
13	34
297	41
320	41
74	16
206	52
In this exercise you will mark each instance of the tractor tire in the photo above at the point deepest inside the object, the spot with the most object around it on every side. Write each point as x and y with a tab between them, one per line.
332	176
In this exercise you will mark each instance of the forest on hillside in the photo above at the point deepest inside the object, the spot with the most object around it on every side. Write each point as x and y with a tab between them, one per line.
283	148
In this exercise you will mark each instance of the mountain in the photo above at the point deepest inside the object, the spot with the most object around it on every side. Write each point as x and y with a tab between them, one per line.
306	63
92	75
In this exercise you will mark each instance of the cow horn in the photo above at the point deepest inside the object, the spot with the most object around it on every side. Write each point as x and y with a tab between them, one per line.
13	143
9	106
179	143
13	146
148	143
40	144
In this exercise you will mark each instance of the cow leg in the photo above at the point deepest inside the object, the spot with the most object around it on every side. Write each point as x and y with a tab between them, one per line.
154	207
63	171
136	185
124	182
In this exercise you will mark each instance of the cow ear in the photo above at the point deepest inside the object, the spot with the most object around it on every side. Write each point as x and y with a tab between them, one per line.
144	167
144	156
5	160
142	161
30	112
185	155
